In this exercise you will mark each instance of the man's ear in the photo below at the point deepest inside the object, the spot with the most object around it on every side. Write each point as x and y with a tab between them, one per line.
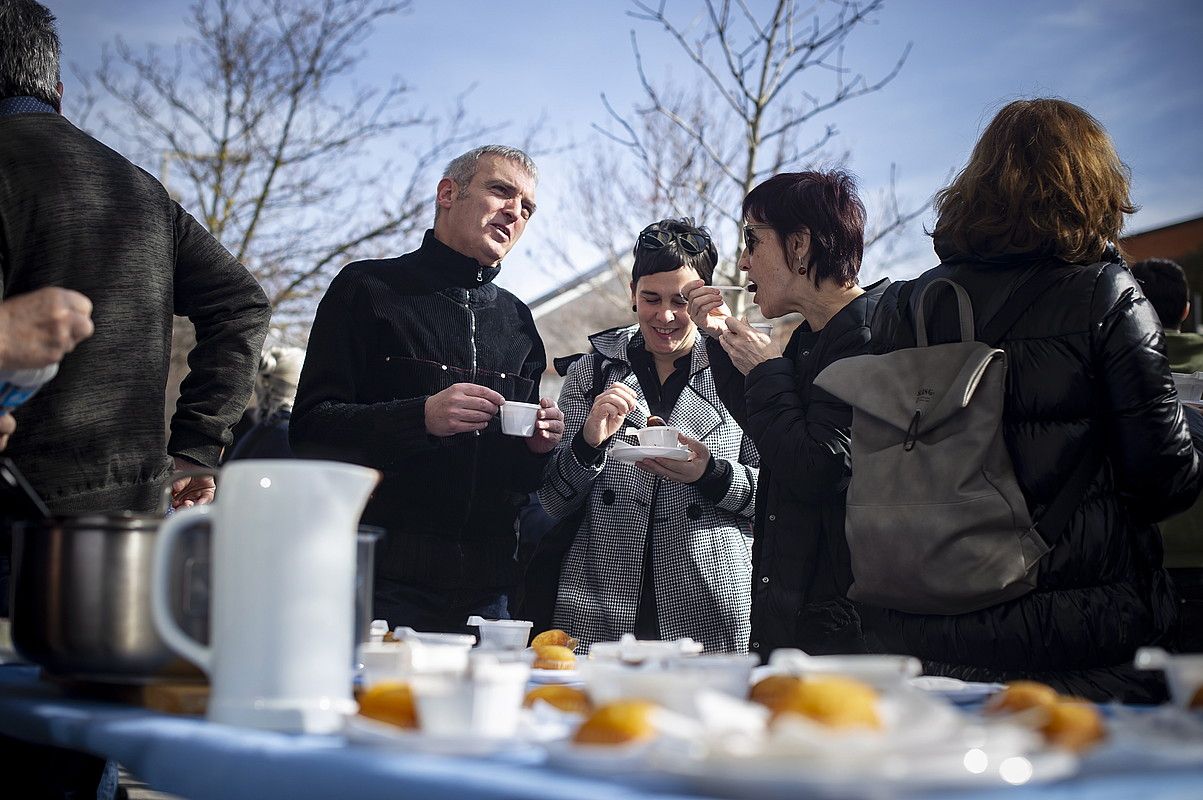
58	89
446	192
1185	314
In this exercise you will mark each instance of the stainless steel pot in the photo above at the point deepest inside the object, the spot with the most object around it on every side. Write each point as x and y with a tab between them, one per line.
81	597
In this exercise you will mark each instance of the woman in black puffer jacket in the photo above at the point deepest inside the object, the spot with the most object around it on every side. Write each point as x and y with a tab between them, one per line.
1086	372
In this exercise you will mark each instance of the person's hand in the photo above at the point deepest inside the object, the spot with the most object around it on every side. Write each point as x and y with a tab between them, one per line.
609	411
549	427
706	308
38	328
461	408
194	490
8	424
680	471
747	347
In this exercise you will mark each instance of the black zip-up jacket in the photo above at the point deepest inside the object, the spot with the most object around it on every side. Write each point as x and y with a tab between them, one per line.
1086	370
389	334
800	562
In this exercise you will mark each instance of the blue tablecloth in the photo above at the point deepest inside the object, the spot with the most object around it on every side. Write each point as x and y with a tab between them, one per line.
199	760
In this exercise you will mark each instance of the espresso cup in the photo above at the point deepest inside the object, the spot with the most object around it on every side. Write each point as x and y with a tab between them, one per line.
658	436
518	419
762	327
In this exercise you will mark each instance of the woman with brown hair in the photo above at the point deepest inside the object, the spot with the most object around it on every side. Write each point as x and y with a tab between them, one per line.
1044	193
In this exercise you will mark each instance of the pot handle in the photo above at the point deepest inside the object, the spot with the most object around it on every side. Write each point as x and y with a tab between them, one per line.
161	579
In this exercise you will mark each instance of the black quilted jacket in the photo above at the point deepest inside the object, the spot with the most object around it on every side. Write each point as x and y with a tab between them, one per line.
1085	369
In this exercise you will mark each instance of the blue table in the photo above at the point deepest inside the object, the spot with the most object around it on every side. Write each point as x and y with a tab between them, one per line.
200	760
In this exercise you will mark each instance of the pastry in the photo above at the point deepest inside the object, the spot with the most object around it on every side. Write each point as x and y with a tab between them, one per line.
655	422
620	722
831	700
554	656
565	698
772	690
554	636
1021	696
390	701
1073	724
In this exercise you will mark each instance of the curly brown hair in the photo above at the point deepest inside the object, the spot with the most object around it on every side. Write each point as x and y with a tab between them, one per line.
1044	178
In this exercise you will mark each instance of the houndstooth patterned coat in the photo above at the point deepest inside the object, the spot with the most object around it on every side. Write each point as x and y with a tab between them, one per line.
701	550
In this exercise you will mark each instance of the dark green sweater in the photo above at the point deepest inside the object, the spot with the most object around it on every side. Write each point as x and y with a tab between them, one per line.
74	213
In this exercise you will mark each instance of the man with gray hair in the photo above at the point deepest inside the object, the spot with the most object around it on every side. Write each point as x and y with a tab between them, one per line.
410	360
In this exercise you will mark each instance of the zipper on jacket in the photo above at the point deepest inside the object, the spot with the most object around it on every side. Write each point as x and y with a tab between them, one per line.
476	434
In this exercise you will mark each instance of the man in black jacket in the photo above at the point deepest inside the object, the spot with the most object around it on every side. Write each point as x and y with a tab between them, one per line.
409	361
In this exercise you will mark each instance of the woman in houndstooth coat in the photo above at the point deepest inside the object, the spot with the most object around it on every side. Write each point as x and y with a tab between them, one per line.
663	549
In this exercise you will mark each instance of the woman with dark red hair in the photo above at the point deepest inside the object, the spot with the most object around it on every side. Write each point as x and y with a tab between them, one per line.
804	236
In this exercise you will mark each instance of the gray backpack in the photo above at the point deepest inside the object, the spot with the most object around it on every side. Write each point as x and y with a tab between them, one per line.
936	522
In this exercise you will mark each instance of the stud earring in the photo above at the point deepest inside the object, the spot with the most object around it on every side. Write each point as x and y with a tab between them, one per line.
801	270
634	308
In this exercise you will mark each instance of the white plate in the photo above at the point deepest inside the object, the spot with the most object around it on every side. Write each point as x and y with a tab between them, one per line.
555	676
1141	739
790	779
626	454
955	690
363	730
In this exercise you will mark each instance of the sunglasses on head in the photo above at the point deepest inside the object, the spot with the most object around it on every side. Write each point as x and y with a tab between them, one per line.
655	238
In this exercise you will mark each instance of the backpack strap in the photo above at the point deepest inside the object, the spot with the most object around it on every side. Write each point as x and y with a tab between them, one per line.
964	311
1056	514
1030	287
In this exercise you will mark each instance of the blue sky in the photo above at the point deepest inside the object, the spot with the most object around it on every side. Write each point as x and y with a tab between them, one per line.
1135	66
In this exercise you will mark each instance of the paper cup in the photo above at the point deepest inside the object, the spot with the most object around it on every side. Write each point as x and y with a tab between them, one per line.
658	436
762	327
518	419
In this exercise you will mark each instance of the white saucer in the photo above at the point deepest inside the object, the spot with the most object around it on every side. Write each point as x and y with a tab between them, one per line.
627	454
555	676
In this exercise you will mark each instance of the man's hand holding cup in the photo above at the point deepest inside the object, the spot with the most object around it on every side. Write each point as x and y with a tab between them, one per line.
461	408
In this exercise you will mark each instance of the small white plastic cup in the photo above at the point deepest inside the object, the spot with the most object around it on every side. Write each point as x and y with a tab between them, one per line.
658	436
762	327
484	702
518	419
502	634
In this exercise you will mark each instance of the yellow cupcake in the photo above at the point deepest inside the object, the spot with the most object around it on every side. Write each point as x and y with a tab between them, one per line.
1021	696
831	700
1073	724
554	656
565	698
620	722
554	636
391	701
772	690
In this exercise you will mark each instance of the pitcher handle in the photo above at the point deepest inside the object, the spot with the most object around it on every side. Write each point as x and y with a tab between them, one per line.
161	579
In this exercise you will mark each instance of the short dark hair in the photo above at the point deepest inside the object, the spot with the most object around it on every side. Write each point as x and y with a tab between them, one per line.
672	256
1164	283
826	205
29	52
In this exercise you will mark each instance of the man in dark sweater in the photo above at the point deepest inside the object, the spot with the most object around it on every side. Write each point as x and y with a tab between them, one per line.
409	361
75	214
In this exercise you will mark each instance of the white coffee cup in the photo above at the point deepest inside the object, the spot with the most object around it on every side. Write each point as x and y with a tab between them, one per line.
518	419
658	436
762	327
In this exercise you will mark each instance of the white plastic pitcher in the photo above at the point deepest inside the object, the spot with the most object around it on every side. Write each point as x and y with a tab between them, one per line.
282	596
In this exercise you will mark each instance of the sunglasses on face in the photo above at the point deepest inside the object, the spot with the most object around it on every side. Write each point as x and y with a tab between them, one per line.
750	237
654	238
